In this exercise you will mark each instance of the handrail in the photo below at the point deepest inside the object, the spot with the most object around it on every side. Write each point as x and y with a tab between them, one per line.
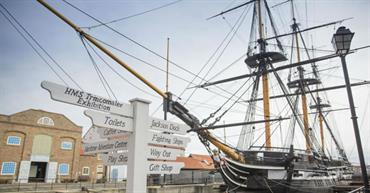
358	190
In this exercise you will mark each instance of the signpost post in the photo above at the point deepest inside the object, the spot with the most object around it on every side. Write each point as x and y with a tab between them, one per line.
136	181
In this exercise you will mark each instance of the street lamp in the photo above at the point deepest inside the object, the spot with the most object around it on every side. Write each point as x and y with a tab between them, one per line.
342	42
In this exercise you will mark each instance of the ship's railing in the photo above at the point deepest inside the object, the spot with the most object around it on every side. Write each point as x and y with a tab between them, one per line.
274	149
358	190
266	161
274	156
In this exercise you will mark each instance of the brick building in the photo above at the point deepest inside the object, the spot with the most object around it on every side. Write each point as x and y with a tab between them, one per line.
36	145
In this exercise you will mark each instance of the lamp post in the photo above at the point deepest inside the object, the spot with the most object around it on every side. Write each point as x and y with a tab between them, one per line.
342	42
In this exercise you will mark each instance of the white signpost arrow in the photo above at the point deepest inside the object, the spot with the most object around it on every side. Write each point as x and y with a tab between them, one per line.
163	153
167	139
157	167
110	133
92	136
85	99
110	121
115	158
168	126
105	146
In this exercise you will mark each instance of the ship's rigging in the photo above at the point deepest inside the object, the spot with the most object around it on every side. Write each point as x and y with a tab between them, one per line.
260	72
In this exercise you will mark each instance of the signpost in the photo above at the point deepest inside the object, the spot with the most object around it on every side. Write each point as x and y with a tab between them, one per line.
84	99
167	139
156	167
168	126
92	135
115	158
163	153
111	133
105	146
110	121
126	126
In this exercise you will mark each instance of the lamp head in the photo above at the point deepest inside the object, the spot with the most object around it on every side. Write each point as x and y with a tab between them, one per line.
342	40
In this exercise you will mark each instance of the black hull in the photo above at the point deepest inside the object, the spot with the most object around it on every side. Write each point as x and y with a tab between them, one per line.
247	178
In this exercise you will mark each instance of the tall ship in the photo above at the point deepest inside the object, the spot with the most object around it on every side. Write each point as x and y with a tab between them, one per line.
283	149
281	167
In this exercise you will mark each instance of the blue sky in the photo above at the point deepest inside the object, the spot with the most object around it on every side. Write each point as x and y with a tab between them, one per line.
192	41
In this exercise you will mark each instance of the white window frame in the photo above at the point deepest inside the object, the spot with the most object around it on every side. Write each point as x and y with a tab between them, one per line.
88	171
64	148
63	174
7	140
2	168
99	167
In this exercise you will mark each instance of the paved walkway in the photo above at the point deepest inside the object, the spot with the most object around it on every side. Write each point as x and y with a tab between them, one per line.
19	187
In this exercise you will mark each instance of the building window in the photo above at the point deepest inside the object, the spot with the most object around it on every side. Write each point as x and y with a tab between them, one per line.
99	169
85	171
63	169
46	121
13	140
67	145
8	168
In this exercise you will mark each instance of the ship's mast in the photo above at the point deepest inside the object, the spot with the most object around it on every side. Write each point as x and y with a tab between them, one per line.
265	80
302	84
319	106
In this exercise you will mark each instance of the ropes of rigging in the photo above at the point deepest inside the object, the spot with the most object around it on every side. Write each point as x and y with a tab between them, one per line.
131	40
120	75
134	15
39	45
219	118
144	47
237	34
227	67
152	65
232	32
98	71
34	49
262	134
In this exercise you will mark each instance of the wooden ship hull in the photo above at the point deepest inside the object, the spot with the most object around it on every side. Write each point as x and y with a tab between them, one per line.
252	177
